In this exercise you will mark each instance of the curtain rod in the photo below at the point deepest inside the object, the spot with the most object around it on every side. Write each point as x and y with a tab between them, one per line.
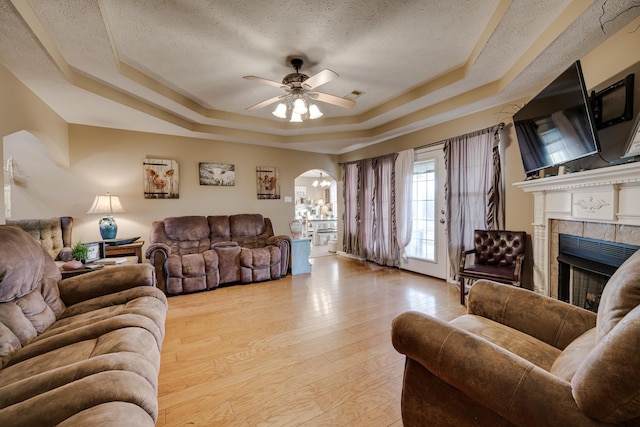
494	128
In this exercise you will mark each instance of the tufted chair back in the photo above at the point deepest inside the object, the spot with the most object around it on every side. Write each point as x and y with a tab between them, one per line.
53	234
498	247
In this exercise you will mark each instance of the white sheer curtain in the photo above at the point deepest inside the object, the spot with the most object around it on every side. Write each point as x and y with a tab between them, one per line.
403	192
474	198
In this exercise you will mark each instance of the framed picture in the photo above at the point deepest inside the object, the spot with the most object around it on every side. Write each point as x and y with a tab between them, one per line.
95	251
633	146
161	179
267	182
217	174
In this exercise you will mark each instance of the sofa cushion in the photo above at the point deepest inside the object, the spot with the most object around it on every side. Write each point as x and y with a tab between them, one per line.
605	386
566	365
22	264
620	296
192	272
186	228
529	348
9	344
219	228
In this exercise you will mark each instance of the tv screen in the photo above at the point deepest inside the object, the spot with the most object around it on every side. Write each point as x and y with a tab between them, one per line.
557	125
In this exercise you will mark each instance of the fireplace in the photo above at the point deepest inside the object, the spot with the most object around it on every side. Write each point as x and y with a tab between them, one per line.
585	265
595	204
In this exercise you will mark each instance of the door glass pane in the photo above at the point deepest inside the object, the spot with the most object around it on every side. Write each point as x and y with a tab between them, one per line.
423	235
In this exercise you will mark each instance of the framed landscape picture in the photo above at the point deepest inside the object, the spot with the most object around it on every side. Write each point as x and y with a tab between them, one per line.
217	174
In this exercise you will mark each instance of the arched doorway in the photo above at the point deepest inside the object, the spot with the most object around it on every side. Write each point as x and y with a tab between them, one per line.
316	202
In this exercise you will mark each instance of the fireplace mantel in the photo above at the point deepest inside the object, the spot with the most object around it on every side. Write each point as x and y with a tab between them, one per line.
606	195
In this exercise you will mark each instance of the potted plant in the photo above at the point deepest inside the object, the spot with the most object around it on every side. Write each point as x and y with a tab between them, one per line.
80	252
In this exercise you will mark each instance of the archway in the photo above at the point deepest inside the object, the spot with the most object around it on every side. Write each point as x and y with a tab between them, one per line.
316	196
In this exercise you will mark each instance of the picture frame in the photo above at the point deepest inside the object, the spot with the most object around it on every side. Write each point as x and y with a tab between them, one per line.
267	182
161	179
95	251
217	174
633	145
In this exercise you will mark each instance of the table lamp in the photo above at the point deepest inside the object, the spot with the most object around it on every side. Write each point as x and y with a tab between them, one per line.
106	204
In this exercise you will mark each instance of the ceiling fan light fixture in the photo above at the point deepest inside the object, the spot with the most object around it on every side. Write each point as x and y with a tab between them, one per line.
280	111
314	112
299	106
295	117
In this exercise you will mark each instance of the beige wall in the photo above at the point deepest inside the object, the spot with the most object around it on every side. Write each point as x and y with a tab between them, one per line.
20	110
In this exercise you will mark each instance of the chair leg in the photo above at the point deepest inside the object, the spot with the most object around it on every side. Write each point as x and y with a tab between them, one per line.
462	282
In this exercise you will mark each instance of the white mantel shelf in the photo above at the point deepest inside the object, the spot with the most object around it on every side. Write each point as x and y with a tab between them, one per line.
609	195
620	174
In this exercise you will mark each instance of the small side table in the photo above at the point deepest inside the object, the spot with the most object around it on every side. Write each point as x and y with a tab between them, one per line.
300	251
130	249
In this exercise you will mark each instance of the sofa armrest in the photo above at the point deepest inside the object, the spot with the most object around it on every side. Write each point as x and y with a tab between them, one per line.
157	254
157	249
277	240
283	242
106	281
552	321
505	383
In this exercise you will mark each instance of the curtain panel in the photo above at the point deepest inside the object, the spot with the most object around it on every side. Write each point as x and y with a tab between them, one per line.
369	217
474	193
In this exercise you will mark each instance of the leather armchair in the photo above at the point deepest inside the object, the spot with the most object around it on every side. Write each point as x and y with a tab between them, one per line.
497	256
524	359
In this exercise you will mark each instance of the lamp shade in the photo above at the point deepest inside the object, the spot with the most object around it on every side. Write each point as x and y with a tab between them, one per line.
106	204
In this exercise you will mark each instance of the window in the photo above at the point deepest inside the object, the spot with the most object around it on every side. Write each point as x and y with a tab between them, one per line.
423	243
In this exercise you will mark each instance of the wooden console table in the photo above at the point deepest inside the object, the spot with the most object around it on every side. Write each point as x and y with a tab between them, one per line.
131	249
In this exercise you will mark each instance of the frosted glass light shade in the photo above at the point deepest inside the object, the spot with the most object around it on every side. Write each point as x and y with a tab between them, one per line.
295	117
299	106
280	111
314	112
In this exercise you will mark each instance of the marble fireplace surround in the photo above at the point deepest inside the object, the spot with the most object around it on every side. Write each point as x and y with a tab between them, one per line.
600	204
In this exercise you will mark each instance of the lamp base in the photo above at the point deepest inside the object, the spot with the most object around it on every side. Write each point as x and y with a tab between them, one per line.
108	228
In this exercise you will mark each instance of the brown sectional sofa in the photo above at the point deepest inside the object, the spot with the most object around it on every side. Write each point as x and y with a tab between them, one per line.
80	351
197	253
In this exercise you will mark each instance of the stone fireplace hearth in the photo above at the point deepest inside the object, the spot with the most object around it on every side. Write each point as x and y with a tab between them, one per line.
600	204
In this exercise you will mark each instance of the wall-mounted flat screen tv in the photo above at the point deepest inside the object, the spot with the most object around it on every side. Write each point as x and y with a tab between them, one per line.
557	125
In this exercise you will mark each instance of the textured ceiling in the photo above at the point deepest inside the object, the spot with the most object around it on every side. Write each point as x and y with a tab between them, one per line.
176	67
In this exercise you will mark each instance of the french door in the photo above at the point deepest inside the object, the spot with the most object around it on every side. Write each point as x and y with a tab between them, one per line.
427	250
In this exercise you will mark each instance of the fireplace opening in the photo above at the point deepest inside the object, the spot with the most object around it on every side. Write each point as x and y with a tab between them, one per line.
585	265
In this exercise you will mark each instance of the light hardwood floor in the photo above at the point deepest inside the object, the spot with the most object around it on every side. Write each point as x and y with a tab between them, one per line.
305	350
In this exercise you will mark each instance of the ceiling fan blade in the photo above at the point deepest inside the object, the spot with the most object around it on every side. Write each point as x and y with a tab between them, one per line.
324	76
331	99
265	81
265	103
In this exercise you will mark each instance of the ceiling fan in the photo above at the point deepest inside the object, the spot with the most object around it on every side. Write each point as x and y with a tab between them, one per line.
300	93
